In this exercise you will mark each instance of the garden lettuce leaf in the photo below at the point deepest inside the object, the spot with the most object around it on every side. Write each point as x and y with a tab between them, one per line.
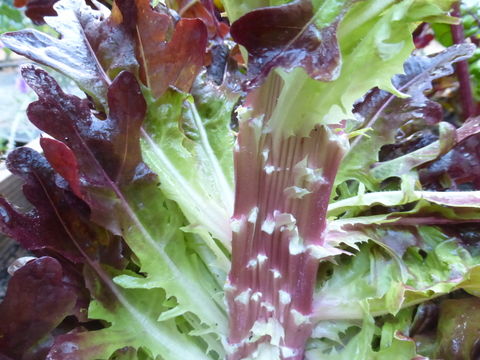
38	299
383	114
246	212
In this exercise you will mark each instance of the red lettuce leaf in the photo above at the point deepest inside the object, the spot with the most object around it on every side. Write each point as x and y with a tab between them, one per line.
91	46
380	108
204	10
169	54
38	299
217	51
458	169
107	151
58	224
285	36
448	138
423	36
110	40
420	71
70	54
95	45
63	159
36	10
391	118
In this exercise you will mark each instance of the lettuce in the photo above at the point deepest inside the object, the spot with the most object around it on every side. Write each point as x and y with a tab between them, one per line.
223	191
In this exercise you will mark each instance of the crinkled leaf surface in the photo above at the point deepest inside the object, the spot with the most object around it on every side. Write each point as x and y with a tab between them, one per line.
110	171
172	260
71	54
449	137
59	221
108	36
133	319
169	54
284	36
404	164
107	151
385	114
68	231
188	143
109	162
172	306
375	40
92	45
428	264
359	340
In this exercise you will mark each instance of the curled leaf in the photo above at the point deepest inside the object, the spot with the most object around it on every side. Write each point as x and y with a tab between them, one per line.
107	152
169	54
286	36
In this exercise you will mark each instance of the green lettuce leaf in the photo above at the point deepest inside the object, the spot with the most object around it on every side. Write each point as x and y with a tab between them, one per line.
398	268
188	143
133	321
375	40
364	339
176	261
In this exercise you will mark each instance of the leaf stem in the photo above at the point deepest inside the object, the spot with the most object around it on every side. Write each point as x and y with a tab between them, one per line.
469	107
